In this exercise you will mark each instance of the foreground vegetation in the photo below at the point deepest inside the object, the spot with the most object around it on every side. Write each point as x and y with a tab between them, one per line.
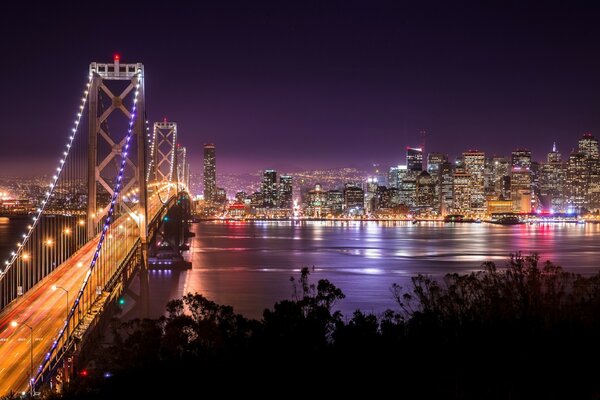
523	331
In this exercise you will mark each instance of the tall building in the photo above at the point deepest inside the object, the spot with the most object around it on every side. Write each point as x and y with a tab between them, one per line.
552	182
521	180
577	182
335	201
520	189
501	168
316	203
354	199
425	192
210	173
554	155
446	189
269	188
285	191
434	162
414	158
521	158
371	195
588	145
474	165
380	172
393	177
461	193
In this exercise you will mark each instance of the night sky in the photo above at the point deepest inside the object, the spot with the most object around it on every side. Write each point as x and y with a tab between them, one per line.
296	85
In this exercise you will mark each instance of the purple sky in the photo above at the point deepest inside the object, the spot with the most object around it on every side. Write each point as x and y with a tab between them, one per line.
313	83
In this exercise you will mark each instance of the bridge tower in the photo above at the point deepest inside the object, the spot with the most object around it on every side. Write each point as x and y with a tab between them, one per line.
164	143
183	167
113	89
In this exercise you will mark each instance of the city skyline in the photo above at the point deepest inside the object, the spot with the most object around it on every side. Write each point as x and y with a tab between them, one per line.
296	84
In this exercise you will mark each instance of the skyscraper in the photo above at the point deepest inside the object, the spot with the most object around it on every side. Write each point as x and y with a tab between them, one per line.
577	182
521	158
461	193
210	172
414	159
269	188
474	164
434	168
446	187
285	191
552	181
434	161
354	199
588	145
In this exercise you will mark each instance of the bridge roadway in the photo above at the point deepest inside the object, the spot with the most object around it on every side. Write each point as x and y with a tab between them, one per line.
44	309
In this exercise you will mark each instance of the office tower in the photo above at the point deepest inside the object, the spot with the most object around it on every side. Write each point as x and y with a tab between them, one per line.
474	165
554	155
316	202
520	189
434	165
354	199
425	192
552	182
588	145
434	162
461	192
521	158
446	183
577	182
521	180
380	172
335	201
393	177
501	168
370	198
269	188
210	173
285	191
220	196
414	159
390	198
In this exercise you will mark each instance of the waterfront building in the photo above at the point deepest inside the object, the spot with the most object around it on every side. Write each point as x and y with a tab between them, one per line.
335	202
446	187
210	173
285	191
269	189
474	166
588	145
553	176
316	203
461	192
520	189
354	199
425	195
577	182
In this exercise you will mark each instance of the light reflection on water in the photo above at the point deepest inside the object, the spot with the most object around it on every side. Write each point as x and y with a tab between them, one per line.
248	265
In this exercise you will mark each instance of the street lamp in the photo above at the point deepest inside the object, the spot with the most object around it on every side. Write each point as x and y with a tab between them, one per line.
54	287
15	324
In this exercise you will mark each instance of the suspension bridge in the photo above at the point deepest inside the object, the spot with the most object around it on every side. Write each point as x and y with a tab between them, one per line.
116	180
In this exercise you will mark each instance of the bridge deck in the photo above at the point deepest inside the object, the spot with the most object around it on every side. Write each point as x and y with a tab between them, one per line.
45	309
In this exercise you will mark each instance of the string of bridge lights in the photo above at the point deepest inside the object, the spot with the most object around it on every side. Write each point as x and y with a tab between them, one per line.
105	227
15	254
173	151
152	144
